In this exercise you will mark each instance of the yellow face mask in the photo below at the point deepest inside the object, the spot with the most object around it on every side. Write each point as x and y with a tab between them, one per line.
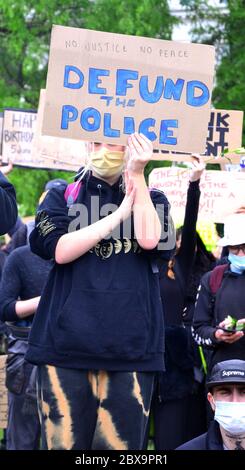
106	162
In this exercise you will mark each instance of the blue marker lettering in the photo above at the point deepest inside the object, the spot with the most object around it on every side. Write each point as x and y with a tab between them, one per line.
122	84
151	96
144	128
173	90
90	114
166	134
108	131
69	114
129	126
94	81
190	92
72	68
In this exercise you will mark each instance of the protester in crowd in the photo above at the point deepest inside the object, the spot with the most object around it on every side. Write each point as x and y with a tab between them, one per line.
16	227
226	396
3	341
2	257
182	385
214	313
21	232
8	207
98	333
23	277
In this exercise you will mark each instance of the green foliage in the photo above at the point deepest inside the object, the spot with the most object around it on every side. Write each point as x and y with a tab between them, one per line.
230	88
25	27
29	185
224	28
150	18
155	164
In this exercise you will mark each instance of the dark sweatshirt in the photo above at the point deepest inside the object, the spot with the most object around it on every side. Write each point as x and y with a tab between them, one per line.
211	310
23	278
102	311
174	291
178	380
8	207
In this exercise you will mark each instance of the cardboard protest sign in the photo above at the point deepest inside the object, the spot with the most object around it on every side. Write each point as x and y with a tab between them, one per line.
18	133
105	86
3	393
56	152
224	132
222	192
1	132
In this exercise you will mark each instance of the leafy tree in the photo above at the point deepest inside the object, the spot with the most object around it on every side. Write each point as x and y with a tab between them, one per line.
25	27
150	18
230	88
224	28
29	184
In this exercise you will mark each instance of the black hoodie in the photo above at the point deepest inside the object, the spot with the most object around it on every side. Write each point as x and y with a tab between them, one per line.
8	207
102	311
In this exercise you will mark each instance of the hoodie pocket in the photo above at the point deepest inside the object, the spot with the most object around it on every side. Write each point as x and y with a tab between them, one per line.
93	322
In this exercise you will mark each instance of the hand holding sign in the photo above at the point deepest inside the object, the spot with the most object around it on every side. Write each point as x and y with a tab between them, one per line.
198	167
139	152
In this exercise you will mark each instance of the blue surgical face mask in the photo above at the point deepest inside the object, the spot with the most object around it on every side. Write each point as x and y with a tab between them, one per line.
231	416
237	263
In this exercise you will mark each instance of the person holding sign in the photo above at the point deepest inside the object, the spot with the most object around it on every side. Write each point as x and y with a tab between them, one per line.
183	380
8	207
98	336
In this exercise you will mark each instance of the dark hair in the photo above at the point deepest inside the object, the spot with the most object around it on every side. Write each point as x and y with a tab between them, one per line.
178	232
219	229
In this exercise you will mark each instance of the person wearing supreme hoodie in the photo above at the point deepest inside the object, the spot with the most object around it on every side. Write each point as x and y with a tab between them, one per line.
8	207
98	334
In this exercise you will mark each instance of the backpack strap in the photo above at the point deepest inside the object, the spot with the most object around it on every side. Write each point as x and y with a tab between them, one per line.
71	192
216	277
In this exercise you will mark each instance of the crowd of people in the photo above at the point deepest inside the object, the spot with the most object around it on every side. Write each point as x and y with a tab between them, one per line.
112	317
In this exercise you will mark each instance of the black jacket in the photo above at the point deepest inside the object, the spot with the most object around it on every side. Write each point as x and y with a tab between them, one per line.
8	207
173	291
210	311
23	278
211	440
178	379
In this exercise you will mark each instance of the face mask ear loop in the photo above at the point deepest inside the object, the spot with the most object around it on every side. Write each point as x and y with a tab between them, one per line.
87	166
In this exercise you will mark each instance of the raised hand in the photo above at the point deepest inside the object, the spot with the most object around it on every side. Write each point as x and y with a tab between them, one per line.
198	167
139	153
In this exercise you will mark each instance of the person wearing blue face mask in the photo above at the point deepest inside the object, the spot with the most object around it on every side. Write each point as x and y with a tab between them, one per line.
226	395
237	258
211	327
